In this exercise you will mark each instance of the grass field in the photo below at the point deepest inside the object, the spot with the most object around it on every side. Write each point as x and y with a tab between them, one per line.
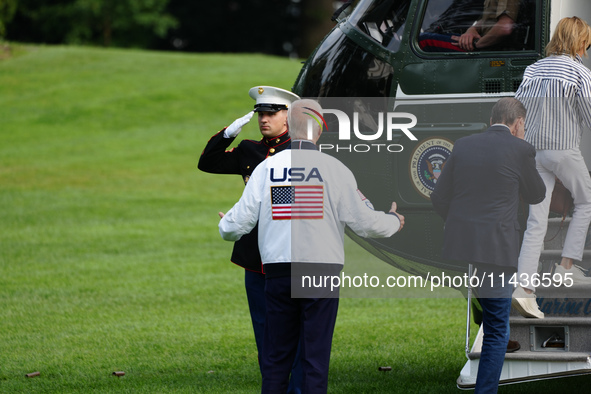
110	258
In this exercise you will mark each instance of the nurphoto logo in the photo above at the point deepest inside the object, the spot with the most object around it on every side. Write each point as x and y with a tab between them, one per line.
377	131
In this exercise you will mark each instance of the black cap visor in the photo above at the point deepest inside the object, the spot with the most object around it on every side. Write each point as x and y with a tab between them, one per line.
269	107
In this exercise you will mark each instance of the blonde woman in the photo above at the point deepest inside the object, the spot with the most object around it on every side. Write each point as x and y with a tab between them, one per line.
556	91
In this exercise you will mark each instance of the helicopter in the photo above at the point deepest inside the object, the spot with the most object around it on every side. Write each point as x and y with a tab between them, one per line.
396	96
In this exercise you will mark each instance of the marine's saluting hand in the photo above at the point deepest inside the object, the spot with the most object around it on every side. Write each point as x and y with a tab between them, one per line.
236	126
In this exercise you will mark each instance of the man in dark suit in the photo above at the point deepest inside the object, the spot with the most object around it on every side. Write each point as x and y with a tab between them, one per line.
477	195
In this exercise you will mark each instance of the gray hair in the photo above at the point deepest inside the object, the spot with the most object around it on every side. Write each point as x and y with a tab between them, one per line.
303	116
506	111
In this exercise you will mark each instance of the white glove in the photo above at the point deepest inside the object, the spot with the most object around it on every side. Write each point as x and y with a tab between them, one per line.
233	130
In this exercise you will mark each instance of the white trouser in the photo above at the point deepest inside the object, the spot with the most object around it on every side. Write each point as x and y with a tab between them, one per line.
568	166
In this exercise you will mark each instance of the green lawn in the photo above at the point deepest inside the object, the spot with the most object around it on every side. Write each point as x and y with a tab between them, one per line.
110	258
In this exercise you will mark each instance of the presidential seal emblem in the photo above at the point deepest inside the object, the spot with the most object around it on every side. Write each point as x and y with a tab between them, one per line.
426	163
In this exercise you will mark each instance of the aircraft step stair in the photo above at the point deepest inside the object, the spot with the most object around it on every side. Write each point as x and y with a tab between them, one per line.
559	345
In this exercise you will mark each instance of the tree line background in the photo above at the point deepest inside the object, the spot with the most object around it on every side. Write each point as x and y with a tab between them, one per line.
279	27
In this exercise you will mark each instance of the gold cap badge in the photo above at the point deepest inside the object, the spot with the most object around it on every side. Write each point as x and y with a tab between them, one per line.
261	90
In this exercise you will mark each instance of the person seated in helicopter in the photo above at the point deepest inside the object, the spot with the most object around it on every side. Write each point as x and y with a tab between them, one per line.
495	24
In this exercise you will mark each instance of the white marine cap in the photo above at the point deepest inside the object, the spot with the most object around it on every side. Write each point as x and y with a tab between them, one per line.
271	99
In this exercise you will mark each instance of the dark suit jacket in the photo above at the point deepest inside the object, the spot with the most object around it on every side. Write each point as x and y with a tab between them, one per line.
477	195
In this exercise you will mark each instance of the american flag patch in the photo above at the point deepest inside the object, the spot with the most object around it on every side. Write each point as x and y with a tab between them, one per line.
297	202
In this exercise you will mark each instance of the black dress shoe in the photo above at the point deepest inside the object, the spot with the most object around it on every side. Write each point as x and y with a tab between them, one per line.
513	346
554	341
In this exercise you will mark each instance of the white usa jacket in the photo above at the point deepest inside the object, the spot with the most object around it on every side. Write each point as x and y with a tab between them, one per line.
302	199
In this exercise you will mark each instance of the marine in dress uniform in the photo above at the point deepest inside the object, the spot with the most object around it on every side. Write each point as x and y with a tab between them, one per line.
271	105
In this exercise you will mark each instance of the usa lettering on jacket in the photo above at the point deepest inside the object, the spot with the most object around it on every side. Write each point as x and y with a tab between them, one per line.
296	175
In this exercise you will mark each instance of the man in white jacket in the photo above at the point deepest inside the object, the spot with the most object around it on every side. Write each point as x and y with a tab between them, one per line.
302	200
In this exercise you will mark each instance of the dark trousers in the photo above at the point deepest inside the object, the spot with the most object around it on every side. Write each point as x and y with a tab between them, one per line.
496	306
254	284
307	321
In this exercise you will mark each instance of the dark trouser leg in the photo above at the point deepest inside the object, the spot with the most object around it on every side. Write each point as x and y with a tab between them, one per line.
318	327
282	335
495	319
254	284
297	375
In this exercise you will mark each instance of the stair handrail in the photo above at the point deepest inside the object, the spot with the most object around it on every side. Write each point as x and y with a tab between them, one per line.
469	310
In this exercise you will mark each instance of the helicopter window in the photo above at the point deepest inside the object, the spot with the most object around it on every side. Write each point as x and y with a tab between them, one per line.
382	20
444	21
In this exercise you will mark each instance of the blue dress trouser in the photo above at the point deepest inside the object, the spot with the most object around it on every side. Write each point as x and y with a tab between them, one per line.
308	322
254	283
